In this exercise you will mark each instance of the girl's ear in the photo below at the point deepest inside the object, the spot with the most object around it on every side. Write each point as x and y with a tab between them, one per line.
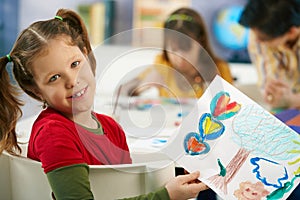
37	93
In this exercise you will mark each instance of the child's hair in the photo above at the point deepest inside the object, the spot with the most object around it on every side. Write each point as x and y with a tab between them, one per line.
188	22
31	43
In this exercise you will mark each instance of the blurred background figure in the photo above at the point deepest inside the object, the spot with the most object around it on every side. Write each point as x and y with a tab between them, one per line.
186	63
274	48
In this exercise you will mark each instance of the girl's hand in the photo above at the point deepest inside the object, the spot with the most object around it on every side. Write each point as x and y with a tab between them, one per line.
185	186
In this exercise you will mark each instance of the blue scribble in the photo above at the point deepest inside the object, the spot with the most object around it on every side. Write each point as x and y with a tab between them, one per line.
265	179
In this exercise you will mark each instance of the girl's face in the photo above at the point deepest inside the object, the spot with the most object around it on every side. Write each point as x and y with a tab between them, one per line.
185	61
64	78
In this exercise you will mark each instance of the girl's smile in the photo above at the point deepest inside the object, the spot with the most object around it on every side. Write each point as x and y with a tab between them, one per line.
64	78
79	94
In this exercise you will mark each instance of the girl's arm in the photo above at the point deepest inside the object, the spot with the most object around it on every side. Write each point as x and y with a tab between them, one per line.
71	182
180	187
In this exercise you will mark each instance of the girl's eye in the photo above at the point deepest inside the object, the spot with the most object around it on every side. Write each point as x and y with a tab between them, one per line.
54	78
75	64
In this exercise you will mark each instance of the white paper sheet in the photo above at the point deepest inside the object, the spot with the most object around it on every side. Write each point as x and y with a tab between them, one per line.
241	150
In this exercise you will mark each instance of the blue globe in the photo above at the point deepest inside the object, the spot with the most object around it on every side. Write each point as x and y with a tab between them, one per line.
228	32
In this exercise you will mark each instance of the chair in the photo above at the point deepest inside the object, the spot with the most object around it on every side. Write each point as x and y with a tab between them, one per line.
120	181
5	185
25	180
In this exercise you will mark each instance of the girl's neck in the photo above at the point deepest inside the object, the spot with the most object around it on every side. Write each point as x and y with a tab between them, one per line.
85	119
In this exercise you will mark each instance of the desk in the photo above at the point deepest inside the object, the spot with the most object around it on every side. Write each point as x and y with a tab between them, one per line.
147	127
290	117
147	122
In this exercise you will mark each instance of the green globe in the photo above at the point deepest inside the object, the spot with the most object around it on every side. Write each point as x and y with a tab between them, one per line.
228	32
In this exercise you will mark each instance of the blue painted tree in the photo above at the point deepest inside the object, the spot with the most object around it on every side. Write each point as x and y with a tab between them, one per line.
258	132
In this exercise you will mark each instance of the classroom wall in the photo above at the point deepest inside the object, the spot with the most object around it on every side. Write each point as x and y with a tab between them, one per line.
32	10
8	24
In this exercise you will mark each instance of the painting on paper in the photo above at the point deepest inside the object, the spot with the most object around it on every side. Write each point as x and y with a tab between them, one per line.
241	150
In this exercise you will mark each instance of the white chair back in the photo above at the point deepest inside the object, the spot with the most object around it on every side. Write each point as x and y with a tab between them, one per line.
121	181
28	180
25	180
5	185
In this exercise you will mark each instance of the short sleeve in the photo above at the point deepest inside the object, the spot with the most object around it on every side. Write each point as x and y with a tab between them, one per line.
56	146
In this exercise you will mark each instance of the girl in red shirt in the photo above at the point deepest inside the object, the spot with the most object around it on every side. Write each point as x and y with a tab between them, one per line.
53	62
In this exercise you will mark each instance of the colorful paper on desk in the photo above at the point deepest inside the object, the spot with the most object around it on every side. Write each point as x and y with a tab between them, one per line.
290	117
241	150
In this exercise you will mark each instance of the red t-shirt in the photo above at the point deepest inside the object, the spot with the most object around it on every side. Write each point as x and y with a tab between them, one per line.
56	141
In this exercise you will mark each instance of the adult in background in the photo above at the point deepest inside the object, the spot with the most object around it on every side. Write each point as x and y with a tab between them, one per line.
274	48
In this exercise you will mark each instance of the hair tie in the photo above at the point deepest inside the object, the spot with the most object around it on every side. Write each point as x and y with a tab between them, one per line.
182	17
8	58
58	17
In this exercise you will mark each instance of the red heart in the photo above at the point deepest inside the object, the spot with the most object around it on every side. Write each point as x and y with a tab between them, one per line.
194	145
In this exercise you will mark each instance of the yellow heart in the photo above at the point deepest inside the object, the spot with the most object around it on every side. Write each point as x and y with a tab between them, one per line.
210	126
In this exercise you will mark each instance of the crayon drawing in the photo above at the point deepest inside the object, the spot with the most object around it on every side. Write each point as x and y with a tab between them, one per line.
236	144
257	132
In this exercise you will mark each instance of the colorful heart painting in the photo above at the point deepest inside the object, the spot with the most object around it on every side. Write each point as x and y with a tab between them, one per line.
221	107
194	144
210	128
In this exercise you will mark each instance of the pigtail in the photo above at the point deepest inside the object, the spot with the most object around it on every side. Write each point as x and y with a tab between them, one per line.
10	109
30	43
75	21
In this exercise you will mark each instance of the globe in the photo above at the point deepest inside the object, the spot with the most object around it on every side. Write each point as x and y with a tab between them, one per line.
228	32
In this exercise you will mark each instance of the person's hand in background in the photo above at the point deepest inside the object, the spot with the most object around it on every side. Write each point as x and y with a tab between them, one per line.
278	94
